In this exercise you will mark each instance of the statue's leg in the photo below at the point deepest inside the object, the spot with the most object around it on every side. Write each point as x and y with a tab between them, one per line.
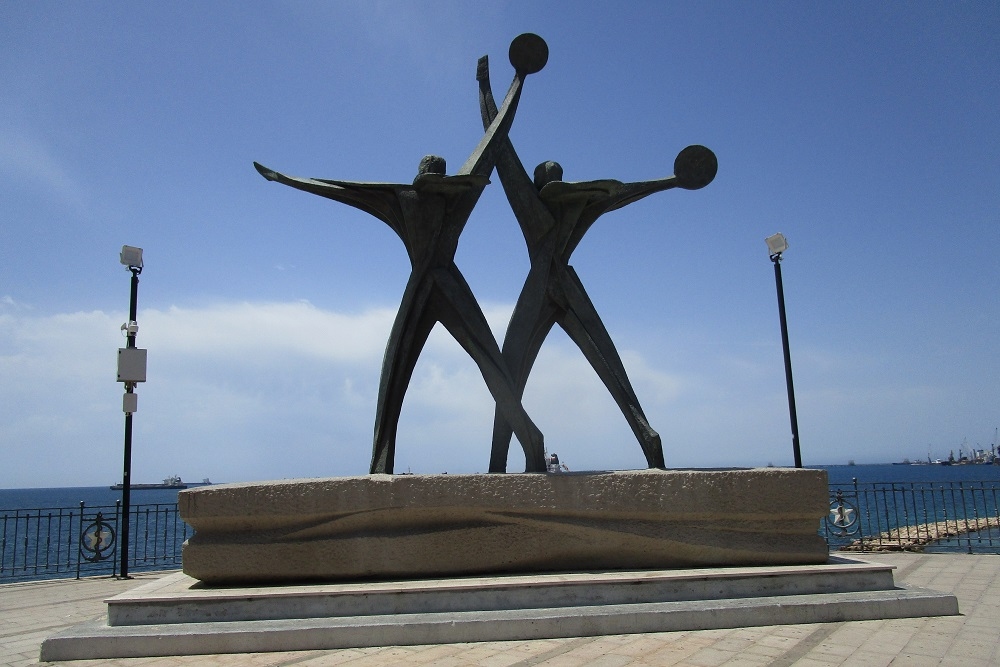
585	327
463	317
533	317
410	330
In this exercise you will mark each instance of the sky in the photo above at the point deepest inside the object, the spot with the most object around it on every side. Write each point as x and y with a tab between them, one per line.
867	134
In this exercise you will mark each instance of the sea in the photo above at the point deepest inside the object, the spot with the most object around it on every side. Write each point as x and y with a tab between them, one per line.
72	496
905	473
72	531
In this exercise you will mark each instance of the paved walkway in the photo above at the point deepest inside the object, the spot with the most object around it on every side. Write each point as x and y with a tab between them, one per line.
29	612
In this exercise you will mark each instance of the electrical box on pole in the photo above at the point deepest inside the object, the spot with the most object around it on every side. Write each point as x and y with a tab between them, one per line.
131	364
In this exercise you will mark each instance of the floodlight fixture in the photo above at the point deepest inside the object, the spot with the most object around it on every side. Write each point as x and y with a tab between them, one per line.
131	257
776	244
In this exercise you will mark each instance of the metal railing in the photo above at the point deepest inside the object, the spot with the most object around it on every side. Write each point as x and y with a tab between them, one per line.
914	516
57	542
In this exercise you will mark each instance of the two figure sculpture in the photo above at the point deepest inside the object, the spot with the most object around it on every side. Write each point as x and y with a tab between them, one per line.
429	215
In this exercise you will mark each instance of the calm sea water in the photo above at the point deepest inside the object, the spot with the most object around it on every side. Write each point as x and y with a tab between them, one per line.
43	532
868	474
102	495
93	496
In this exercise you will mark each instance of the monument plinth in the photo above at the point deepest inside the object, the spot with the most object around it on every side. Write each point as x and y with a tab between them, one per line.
391	527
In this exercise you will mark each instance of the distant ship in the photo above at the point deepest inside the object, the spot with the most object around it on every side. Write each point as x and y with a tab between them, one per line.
173	482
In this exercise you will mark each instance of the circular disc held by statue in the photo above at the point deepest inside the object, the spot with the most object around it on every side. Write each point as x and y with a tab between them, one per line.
528	53
695	167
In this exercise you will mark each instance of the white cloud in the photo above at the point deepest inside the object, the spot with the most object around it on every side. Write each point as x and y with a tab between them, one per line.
241	391
256	333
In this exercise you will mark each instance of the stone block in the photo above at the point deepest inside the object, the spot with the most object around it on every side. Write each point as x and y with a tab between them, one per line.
405	526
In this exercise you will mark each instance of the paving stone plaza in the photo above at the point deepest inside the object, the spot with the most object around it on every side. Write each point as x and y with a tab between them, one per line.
32	611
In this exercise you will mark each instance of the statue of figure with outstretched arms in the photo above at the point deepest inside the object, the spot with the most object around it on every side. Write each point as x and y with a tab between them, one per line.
554	216
428	216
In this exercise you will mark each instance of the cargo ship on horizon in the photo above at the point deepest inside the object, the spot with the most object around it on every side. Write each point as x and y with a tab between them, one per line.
173	482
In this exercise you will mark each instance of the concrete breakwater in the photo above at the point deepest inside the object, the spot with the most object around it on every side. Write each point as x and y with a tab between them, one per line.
916	537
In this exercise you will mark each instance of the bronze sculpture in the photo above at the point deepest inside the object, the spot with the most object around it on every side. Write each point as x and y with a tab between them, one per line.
429	216
554	216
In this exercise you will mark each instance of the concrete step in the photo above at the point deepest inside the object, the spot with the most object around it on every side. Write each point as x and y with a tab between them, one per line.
98	640
181	599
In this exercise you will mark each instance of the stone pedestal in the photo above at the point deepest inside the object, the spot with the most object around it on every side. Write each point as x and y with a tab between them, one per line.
381	527
438	553
177	615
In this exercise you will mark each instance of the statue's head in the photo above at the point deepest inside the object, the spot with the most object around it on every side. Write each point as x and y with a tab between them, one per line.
547	172
432	164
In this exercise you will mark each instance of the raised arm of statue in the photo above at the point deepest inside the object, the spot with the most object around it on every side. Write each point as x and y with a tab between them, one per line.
528	54
378	199
532	215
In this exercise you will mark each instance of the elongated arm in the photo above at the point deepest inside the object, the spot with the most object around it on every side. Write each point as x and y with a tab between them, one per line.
528	54
616	195
633	192
378	199
509	165
484	158
694	168
532	215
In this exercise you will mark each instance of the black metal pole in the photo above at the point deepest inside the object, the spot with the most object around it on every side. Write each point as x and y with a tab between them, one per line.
776	258
127	474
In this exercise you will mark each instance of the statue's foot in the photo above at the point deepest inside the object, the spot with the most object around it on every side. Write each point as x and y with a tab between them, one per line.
653	449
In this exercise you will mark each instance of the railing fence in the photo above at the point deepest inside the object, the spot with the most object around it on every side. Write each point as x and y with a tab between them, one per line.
56	542
914	516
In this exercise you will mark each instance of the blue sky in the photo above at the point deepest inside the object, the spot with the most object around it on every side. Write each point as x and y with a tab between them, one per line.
866	134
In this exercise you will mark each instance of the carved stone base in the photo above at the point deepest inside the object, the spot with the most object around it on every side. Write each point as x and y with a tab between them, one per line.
391	527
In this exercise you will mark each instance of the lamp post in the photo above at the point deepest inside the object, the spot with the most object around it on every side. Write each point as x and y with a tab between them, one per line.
131	370
776	245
